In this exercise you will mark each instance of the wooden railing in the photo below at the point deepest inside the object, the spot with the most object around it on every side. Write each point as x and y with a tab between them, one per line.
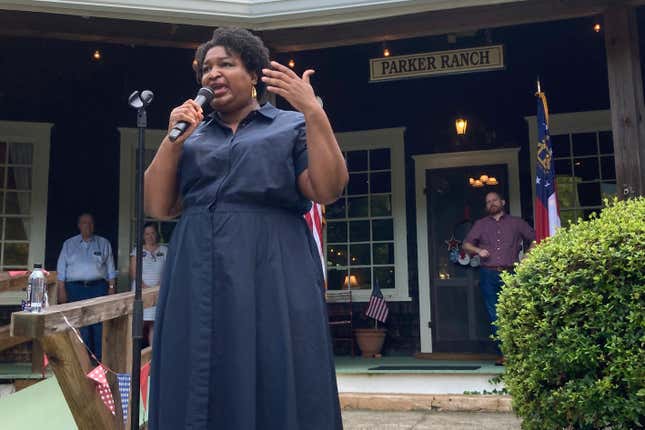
19	283
70	360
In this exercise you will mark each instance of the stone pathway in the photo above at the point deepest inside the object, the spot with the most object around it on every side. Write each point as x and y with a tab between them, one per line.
382	420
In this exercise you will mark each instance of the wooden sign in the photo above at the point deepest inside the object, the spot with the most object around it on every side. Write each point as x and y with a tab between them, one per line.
469	60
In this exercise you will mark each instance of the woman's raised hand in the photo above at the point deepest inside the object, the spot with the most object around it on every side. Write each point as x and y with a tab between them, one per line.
283	81
190	112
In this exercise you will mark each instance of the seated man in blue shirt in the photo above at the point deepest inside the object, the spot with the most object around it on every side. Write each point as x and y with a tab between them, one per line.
86	270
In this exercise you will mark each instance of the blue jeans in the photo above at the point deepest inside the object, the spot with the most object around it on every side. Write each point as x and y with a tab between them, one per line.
92	335
490	284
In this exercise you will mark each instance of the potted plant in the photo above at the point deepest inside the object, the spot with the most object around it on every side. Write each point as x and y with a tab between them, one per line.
370	340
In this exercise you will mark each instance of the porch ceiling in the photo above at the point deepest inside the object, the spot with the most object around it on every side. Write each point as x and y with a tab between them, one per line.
155	29
252	14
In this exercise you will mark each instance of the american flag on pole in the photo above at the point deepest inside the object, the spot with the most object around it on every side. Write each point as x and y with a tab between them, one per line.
547	212
315	220
377	306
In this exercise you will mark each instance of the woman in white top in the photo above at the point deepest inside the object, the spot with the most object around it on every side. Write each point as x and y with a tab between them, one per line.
154	257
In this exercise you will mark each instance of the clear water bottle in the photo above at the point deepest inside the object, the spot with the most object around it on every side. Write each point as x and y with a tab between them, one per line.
36	290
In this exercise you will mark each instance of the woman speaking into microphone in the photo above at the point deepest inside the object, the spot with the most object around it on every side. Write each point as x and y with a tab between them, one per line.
241	338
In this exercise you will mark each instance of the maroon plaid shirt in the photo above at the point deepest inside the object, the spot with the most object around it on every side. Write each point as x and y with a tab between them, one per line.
502	239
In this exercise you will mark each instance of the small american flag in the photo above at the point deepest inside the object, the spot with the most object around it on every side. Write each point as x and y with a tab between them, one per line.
315	220
377	306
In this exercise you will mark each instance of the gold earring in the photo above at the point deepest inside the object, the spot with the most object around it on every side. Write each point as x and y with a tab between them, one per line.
254	92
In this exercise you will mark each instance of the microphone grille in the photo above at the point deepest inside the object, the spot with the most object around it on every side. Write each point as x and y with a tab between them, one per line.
207	93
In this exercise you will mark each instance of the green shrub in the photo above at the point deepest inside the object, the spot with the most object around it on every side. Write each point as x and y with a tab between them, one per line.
572	325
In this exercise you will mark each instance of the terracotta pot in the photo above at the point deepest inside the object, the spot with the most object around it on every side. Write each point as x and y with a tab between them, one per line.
370	340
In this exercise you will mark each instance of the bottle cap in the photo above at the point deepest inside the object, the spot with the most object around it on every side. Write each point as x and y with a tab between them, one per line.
38	266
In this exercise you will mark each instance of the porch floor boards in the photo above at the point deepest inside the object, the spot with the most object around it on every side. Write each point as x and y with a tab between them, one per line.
360	365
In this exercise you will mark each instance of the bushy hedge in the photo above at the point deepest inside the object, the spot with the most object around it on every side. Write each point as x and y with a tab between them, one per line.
572	325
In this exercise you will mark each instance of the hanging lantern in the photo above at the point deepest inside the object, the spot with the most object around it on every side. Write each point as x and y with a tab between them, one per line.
492	181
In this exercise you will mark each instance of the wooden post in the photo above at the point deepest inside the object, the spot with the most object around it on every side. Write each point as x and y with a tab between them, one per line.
117	353
626	97
71	363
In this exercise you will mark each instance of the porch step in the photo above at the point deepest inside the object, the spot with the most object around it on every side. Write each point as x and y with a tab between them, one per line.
425	402
409	376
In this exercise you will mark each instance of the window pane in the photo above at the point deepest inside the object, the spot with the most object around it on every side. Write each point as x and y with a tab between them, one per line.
381	205
3	152
21	153
563	167
336	231
166	229
567	217
336	209
337	255
568	192
359	255
359	231
589	194
16	254
363	278
385	276
607	189
357	207
588	212
560	144
584	144
380	182
380	159
19	178
18	203
357	184
335	278
382	229
606	141
586	168
3	183
147	159
608	167
1	201
383	253
16	229
357	161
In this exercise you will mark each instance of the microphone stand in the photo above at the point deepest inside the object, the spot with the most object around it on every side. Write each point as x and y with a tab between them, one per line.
139	101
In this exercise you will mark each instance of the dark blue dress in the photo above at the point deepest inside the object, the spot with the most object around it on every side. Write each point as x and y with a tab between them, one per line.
241	337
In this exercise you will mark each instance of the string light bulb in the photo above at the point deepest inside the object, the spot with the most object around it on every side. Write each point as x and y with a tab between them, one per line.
291	63
96	55
386	52
597	27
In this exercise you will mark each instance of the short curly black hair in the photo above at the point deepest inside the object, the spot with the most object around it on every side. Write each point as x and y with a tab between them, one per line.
250	48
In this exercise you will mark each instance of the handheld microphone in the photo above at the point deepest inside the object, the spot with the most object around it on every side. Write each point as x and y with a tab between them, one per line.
204	96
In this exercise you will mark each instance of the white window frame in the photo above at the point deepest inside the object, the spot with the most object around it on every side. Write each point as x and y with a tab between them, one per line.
566	123
39	135
392	138
422	163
